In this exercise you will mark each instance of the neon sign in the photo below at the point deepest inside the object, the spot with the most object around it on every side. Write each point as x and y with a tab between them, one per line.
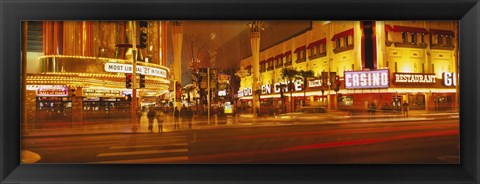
449	79
52	91
126	68
415	78
245	92
366	79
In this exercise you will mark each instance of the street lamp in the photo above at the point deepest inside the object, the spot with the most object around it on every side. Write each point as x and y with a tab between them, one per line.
133	106
255	28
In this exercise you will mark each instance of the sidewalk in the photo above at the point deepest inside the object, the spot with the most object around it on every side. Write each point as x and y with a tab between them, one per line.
125	127
229	121
367	115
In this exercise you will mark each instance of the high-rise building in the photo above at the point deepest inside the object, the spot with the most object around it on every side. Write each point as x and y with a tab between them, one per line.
81	68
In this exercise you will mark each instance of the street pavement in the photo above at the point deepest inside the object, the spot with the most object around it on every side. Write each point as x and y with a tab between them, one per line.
429	141
228	121
115	148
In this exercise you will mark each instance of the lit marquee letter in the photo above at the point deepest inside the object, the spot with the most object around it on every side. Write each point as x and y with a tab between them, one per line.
355	80
449	79
348	80
363	79
376	79
268	89
298	85
384	78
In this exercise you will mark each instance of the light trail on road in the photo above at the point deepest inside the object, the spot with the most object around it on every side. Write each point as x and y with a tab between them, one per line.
204	158
343	131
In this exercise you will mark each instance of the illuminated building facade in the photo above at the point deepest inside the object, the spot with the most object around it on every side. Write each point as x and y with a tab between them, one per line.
357	63
80	72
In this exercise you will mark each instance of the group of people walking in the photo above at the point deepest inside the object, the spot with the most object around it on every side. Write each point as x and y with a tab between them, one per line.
396	107
186	115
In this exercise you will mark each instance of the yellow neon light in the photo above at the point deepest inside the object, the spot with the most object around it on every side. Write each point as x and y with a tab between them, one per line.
105	59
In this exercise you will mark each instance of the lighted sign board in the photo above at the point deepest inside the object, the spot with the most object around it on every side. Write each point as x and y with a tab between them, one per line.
414	78
318	83
126	68
101	93
315	83
267	88
55	90
449	79
245	92
277	86
366	79
222	93
228	108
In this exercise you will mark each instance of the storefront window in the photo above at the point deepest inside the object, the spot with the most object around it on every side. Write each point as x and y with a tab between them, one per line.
416	102
443	103
54	108
94	107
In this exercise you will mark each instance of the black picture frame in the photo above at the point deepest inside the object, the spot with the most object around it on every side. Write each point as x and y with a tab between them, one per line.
13	11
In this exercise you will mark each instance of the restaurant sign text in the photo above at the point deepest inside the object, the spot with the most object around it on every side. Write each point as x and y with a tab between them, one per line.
414	78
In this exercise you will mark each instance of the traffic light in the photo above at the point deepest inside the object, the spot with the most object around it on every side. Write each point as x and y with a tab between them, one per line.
128	80
143	34
337	84
142	81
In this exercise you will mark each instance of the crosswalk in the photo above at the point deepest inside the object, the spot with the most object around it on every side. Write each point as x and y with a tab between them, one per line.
148	149
116	148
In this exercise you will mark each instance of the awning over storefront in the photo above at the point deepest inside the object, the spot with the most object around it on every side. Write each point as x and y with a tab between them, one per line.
342	34
442	32
388	28
316	43
409	29
279	56
300	48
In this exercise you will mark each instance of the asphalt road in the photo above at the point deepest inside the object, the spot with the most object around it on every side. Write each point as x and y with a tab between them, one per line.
380	142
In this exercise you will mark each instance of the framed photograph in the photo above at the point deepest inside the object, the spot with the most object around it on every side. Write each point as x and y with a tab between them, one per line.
239	92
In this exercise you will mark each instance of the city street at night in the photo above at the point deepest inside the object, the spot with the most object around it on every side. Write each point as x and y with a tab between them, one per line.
398	140
250	91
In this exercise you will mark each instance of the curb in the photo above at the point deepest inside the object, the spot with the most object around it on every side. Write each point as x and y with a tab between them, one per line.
29	157
254	123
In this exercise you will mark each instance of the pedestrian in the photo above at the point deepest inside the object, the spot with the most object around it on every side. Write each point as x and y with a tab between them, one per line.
176	117
399	106
189	116
183	116
405	108
139	115
151	116
160	121
372	107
